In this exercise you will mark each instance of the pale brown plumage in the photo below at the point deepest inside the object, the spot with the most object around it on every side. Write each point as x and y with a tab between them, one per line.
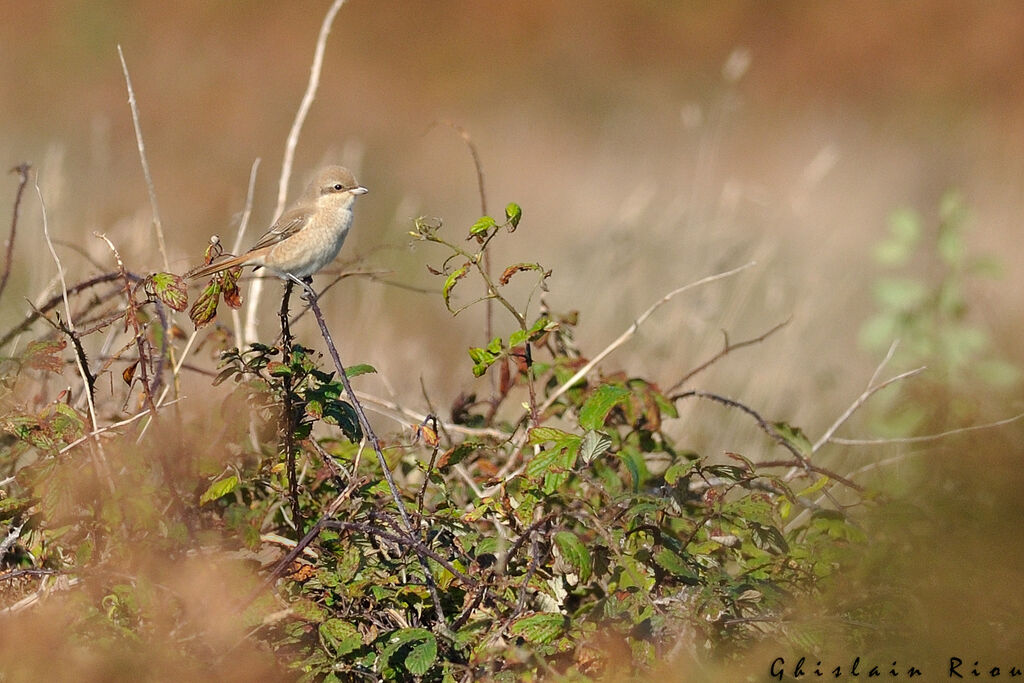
308	235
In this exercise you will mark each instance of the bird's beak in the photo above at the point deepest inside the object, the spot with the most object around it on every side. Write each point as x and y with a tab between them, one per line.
359	190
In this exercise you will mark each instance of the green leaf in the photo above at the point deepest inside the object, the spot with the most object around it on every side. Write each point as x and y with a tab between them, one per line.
449	284
308	610
422	655
479	356
10	507
879	331
540	628
892	252
204	309
794	436
513	214
344	415
483	358
340	636
421	652
768	537
168	288
600	403
674	564
539	435
814	488
677	471
901	294
84	552
997	373
361	369
66	424
631	461
905	226
553	465
482	225
219	488
575	553
517	338
950	244
594	445
541	463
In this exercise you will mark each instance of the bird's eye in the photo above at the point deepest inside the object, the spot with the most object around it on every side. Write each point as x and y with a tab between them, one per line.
338	187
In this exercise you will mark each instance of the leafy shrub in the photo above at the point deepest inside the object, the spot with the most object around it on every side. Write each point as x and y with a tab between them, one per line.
554	525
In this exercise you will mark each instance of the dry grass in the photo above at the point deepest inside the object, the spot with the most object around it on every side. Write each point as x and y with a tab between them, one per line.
639	169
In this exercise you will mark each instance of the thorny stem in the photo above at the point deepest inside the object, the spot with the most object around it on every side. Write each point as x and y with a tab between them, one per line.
289	410
374	441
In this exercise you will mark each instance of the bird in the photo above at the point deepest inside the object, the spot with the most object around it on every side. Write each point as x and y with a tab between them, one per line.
307	236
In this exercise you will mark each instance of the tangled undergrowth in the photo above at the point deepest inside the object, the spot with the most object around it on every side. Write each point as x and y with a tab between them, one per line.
551	526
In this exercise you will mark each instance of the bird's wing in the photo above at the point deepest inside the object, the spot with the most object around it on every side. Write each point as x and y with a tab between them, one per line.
287	225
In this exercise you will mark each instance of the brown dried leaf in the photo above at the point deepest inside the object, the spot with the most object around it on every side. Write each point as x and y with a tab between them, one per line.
517	268
129	373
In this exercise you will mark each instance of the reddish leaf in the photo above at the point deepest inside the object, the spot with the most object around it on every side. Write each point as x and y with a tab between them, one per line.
428	435
45	355
517	268
229	287
213	250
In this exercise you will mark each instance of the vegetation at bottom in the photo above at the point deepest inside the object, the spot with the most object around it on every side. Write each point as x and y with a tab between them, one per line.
546	525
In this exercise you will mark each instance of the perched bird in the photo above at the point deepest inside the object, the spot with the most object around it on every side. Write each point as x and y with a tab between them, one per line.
308	235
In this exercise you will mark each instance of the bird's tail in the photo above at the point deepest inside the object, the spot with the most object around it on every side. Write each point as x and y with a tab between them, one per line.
218	266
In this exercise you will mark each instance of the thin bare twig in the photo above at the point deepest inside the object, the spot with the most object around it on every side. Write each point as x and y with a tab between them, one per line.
406	416
113	426
625	336
80	357
15	573
508	469
99	457
55	300
157	225
925	438
236	317
178	365
371	436
243	223
727	348
22	171
827	436
133	320
860	401
12	535
761	422
249	333
478	165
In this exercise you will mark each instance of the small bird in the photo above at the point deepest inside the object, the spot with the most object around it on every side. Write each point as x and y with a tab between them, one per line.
308	235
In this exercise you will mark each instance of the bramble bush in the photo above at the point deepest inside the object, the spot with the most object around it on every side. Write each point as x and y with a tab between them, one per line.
549	526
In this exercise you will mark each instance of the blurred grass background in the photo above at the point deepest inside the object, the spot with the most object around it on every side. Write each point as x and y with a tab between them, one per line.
649	144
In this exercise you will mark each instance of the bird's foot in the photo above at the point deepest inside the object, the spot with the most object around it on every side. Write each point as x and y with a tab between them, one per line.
309	294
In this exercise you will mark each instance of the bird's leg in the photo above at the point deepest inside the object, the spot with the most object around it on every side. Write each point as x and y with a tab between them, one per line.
307	285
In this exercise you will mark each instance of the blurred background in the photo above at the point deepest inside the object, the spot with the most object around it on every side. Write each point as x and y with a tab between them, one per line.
649	143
